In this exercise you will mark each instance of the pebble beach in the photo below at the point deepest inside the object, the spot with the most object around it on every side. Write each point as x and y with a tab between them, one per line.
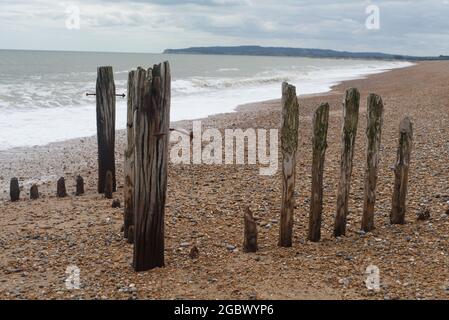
40	238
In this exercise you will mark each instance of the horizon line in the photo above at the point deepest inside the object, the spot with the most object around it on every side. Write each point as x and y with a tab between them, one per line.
214	46
78	51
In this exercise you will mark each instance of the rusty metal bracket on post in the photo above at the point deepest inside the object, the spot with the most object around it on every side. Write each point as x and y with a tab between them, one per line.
117	95
190	134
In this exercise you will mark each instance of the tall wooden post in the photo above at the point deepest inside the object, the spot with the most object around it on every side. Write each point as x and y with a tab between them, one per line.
401	172
129	152
105	95
108	186
374	116
151	125
349	133
319	142
289	146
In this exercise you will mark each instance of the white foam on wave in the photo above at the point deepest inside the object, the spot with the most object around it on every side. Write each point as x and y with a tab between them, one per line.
228	69
41	119
42	126
201	97
196	85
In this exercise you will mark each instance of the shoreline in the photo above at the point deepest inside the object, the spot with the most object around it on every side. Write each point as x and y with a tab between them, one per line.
205	205
35	133
257	106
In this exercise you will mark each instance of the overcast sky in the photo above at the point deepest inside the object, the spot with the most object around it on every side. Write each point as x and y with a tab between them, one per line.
419	27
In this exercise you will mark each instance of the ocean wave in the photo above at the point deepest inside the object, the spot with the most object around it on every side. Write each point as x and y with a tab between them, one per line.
228	69
70	90
27	105
198	85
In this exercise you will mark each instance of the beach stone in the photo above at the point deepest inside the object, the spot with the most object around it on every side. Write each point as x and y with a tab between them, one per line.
212	280
109	184
344	281
14	190
116	204
194	253
79	186
423	214
34	192
61	190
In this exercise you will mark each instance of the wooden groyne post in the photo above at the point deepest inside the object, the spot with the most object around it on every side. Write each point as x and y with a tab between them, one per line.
135	85
61	190
108	186
14	190
34	192
374	116
105	96
289	146
151	125
401	172
319	142
250	236
79	186
349	133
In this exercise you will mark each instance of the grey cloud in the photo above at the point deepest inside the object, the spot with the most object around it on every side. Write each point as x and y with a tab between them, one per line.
410	27
212	3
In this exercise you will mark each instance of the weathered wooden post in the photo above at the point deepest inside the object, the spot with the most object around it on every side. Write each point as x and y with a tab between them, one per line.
151	132
401	172
130	239
289	146
128	191
14	190
105	96
34	192
319	142
61	191
349	133
79	186
108	186
374	116
250	236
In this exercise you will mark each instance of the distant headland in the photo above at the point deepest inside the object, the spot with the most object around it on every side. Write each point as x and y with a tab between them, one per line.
297	52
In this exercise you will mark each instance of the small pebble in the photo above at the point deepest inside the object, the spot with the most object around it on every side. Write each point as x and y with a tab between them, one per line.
116	204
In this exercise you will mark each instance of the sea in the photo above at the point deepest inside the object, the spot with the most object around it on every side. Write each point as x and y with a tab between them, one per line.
43	93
